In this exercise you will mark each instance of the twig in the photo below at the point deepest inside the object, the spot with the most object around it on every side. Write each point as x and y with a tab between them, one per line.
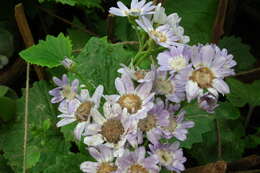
26	34
218	29
246	163
249	114
26	118
250	171
219	140
247	72
68	22
217	167
128	42
110	22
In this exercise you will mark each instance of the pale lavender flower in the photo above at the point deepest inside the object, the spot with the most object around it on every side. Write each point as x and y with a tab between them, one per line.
177	127
112	129
162	35
137	101
137	74
80	110
171	87
137	162
67	63
157	118
169	156
65	91
104	156
174	59
138	8
210	66
208	102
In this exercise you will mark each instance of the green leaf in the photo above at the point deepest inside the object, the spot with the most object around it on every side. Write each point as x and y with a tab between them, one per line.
241	52
226	110
232	144
78	37
203	123
84	3
4	168
253	140
236	87
48	143
244	93
7	43
254	93
197	17
48	53
99	61
68	163
3	90
33	156
8	108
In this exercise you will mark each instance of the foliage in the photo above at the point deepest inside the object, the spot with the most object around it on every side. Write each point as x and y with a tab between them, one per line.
84	3
197	17
240	51
98	63
48	53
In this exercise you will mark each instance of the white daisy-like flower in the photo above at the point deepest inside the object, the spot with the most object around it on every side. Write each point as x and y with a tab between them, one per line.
162	35
80	110
175	59
137	101
139	75
173	20
137	9
112	129
210	66
104	156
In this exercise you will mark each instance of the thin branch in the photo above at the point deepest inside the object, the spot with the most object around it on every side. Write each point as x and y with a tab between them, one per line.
67	21
26	35
218	29
248	72
26	118
219	140
249	114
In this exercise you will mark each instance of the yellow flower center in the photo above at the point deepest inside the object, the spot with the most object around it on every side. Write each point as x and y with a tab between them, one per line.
106	168
112	130
161	36
203	76
136	168
164	86
172	125
165	157
83	111
140	74
131	102
147	123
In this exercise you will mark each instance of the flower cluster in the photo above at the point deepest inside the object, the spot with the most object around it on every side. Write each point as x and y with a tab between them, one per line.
127	132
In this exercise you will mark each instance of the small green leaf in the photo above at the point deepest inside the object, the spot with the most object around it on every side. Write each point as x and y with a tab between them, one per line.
3	90
48	53
232	143
203	123
254	93
241	52
236	87
227	111
33	156
86	3
253	140
8	108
